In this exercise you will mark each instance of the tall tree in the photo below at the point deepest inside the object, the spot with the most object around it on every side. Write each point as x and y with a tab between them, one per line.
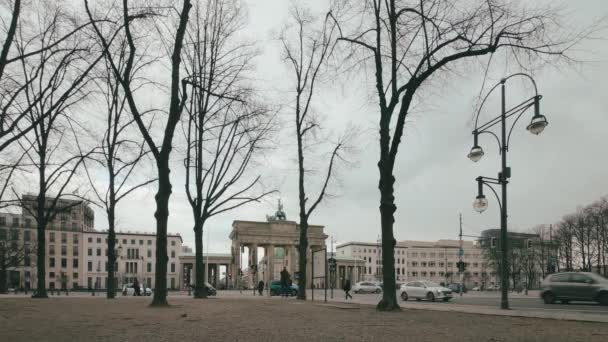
55	81
119	154
162	151
225	127
407	44
307	44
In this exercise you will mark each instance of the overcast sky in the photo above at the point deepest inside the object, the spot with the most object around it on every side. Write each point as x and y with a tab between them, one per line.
552	173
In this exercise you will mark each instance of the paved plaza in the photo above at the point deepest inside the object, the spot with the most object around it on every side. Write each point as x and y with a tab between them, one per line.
242	318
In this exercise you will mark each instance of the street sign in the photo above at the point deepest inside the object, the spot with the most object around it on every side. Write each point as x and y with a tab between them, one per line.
461	252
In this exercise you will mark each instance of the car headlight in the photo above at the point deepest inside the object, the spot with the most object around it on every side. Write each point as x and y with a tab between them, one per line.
439	291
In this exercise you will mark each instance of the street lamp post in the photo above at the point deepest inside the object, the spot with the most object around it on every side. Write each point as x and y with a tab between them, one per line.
536	126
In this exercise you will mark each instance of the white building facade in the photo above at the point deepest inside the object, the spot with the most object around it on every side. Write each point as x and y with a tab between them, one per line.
136	257
421	260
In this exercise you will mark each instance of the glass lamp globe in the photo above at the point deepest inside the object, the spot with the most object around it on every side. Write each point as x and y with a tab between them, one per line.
538	124
480	204
476	153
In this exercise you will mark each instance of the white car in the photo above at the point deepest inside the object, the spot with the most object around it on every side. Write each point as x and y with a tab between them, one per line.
366	287
424	290
129	290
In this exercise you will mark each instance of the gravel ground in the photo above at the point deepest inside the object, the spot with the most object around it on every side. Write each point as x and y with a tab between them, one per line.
277	319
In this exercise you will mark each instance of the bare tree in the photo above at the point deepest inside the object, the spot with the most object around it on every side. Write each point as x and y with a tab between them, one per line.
307	44
15	252
225	127
120	155
162	151
22	45
55	82
409	43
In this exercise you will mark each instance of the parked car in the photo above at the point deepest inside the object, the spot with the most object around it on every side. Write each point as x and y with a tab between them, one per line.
424	290
574	286
276	289
129	290
366	287
477	288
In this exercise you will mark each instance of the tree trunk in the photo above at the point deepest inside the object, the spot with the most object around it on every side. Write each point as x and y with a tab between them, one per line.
162	215
302	249
111	288
387	210
3	277
200	291
41	248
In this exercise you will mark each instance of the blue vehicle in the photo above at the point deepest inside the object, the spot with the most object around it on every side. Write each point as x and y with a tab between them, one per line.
276	289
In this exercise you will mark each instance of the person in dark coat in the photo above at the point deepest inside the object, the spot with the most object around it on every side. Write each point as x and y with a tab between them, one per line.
136	288
347	288
284	282
261	287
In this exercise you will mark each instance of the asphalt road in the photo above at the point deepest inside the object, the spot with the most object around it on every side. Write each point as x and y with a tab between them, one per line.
520	302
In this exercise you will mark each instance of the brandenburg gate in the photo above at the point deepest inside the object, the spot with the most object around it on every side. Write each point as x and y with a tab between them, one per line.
279	238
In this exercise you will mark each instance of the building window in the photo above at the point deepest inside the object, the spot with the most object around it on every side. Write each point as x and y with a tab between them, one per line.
98	251
75	275
124	241
132	241
90	241
64	238
64	250
51	262
75	263
90	252
172	283
149	242
64	262
51	237
173	243
149	253
51	249
2	234
51	275
27	235
15	222
149	267
89	282
172	267
98	240
75	250
414	274
173	254
141	242
90	266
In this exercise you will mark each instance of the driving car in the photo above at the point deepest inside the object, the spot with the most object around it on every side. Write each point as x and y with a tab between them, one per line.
366	287
275	289
129	290
423	289
455	287
574	286
211	291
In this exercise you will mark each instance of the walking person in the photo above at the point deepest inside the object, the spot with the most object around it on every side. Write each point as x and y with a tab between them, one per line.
261	287
284	282
347	288
136	288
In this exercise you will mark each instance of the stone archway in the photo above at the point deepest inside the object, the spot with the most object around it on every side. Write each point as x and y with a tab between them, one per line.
275	233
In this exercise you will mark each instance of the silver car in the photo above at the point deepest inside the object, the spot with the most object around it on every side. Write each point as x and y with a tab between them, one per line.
423	289
575	286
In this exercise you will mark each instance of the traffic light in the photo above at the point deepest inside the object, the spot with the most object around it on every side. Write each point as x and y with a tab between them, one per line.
461	266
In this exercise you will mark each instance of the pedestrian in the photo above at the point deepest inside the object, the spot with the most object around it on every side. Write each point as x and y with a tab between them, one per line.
261	287
347	288
136	291
284	282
